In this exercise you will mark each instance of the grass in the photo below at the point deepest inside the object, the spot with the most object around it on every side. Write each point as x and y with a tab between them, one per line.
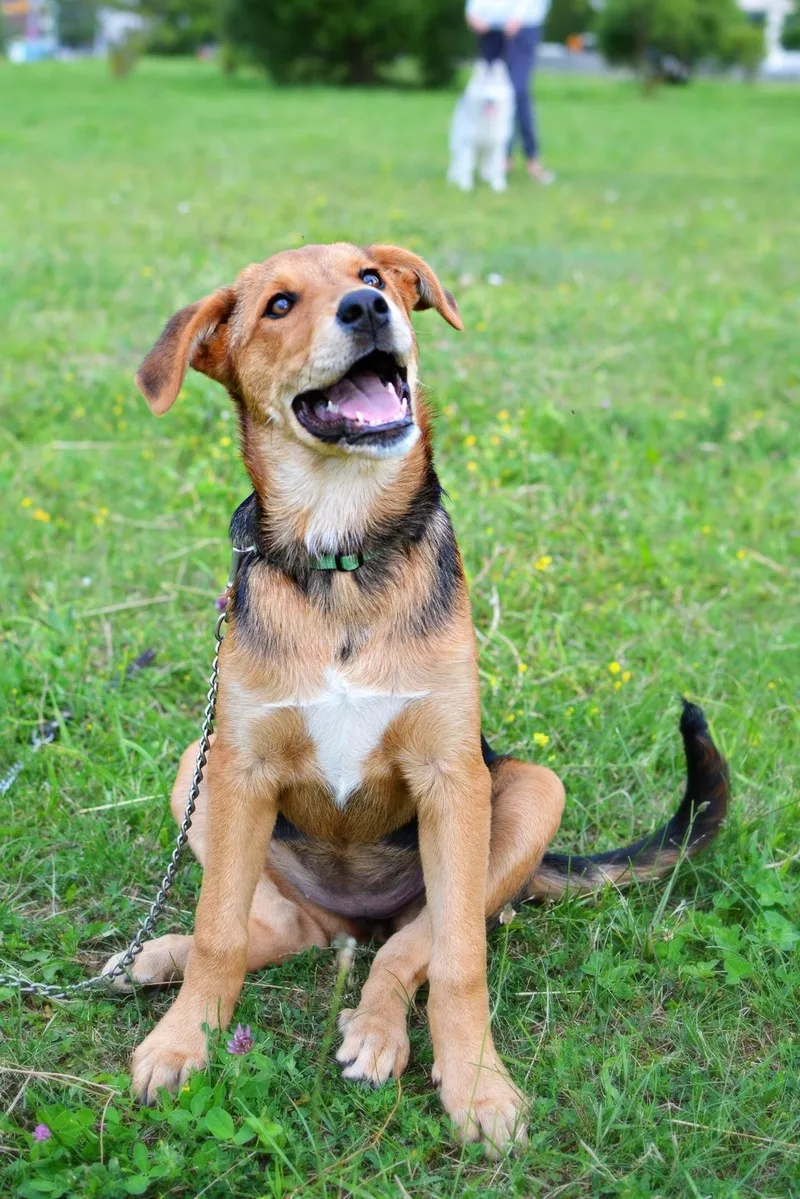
618	433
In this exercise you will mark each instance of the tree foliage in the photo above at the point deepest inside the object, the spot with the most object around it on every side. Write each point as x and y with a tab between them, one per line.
790	35
177	26
77	23
565	18
337	41
643	33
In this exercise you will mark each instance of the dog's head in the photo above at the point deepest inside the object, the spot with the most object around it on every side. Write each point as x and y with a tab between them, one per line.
317	340
489	85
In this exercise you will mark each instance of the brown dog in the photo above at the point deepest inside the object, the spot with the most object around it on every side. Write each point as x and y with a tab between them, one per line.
349	783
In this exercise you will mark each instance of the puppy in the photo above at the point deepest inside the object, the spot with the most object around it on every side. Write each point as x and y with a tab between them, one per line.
482	126
349	788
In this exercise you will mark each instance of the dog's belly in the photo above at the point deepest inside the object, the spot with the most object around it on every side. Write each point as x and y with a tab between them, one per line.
361	881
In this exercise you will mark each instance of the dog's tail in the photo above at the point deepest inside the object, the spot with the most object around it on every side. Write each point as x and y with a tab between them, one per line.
691	829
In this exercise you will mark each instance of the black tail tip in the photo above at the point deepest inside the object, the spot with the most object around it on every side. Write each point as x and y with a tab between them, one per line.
707	784
693	720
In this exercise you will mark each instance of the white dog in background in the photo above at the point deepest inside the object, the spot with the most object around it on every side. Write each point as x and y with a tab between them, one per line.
482	127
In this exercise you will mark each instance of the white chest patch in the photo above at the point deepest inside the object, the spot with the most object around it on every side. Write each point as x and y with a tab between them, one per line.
346	723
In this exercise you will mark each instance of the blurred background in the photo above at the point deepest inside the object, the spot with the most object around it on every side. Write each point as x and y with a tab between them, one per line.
618	436
411	41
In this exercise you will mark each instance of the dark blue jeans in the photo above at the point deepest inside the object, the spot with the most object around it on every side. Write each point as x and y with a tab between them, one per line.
520	55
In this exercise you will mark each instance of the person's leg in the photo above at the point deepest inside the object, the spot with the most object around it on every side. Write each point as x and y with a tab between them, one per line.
520	55
490	45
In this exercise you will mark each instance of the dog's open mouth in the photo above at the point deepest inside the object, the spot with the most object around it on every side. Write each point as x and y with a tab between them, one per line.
371	403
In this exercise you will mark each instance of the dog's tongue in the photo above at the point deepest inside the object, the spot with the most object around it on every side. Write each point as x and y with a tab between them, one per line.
365	399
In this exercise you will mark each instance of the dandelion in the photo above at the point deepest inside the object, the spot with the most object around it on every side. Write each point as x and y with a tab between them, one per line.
27	502
614	668
541	739
450	410
41	1133
510	718
617	685
522	667
147	271
740	554
503	415
494	439
718	381
706	529
472	467
225	441
242	1041
40	514
470	440
570	711
770	686
626	676
543	562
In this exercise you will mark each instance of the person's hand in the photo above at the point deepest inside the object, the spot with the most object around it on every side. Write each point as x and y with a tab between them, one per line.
513	27
477	25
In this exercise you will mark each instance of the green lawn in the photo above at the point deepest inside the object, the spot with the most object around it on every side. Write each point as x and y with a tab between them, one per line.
618	431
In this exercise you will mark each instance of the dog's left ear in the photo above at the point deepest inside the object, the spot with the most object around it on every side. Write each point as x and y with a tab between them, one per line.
417	282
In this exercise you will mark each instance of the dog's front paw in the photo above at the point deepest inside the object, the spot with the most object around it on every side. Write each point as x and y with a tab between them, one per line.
375	1045
482	1101
160	962
166	1058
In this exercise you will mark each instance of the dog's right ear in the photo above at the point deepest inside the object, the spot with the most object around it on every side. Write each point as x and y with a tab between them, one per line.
195	336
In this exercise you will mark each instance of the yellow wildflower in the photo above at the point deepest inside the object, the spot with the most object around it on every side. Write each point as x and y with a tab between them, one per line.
470	440
472	466
27	502
543	562
522	667
626	676
718	381
541	739
40	514
226	441
614	668
503	415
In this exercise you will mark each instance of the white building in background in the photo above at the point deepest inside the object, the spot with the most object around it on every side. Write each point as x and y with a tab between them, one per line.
771	14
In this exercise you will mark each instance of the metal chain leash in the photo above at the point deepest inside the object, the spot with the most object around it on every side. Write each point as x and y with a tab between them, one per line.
146	928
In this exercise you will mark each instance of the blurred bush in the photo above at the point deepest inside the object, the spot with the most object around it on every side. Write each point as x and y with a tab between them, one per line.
337	41
566	18
743	46
790	36
176	26
77	23
653	35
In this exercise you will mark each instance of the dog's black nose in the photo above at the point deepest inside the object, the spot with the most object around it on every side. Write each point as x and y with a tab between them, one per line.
363	311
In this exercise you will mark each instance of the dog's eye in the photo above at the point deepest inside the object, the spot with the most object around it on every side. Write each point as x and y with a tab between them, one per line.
279	305
371	278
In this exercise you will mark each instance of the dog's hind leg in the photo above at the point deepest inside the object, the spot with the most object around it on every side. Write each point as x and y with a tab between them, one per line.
527	802
277	928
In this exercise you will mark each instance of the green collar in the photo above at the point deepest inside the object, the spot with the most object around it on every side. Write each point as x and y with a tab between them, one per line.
344	562
341	562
